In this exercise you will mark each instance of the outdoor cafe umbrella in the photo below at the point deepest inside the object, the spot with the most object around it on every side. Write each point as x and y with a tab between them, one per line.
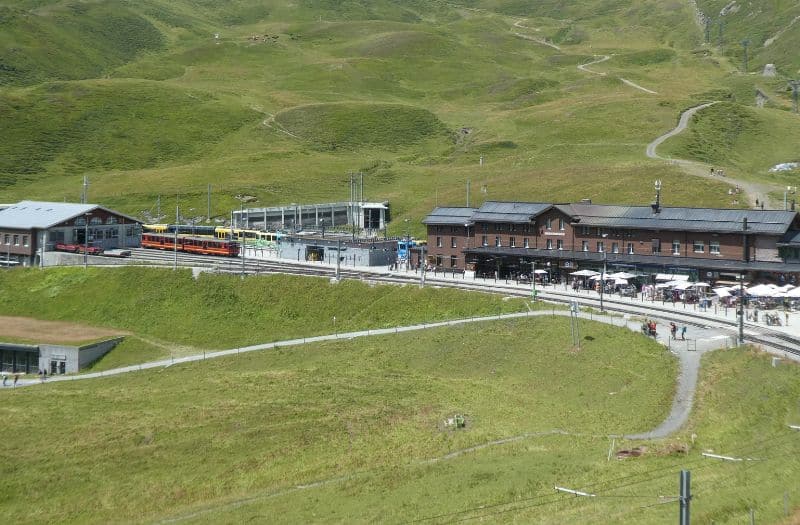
584	273
540	271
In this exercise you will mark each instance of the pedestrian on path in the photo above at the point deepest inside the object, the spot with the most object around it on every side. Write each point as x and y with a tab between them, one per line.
673	330
5	380
683	333
16	379
786	313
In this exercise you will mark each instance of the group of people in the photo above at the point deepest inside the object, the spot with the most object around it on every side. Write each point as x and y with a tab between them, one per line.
673	330
5	379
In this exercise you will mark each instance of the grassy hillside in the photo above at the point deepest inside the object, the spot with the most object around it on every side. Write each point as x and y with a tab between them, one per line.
291	97
156	445
223	311
353	431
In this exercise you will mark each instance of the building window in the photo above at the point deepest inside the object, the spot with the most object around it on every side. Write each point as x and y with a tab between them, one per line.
513	228
656	245
512	241
484	240
438	242
80	221
527	228
698	246
676	247
129	231
630	248
614	247
485	228
585	246
713	247
561	224
560	244
526	243
600	247
111	220
453	242
599	232
16	240
94	221
25	241
499	227
584	230
548	223
438	260
8	239
453	261
497	241
549	244
452	229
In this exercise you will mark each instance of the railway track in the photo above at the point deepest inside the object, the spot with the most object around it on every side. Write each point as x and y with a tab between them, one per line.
773	339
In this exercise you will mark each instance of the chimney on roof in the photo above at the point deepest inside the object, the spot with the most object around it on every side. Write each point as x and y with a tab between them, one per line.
586	201
657	204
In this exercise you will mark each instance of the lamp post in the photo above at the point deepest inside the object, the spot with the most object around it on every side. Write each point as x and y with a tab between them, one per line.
603	279
741	308
789	189
533	280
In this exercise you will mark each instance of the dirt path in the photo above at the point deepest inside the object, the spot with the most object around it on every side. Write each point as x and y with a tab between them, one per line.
753	191
585	69
542	41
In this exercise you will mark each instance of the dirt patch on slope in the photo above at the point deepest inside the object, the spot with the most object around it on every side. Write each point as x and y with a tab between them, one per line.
54	332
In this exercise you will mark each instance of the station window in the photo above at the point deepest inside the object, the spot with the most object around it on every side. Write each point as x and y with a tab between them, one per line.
584	230
453	242
656	245
111	220
559	244
676	247
453	261
585	246
614	247
601	247
25	241
16	240
630	248
438	242
484	240
7	239
485	228
512	241
713	247
526	242
438	260
95	221
548	223
512	227
549	244
497	241
698	247
561	224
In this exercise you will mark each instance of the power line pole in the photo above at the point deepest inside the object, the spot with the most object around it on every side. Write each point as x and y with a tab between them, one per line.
208	211
175	243
338	257
686	496
707	24
722	36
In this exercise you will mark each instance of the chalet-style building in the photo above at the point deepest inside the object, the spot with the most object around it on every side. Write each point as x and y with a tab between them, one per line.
505	238
28	229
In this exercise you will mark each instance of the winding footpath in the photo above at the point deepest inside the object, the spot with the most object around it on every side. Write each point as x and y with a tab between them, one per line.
603	58
754	192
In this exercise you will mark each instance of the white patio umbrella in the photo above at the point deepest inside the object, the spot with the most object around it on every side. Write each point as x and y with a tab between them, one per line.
540	271
618	281
584	273
722	292
793	293
701	285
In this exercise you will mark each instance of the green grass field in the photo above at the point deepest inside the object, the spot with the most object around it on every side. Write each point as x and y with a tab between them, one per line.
410	93
353	431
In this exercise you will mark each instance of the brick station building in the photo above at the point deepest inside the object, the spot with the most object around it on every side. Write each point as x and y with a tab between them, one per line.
506	238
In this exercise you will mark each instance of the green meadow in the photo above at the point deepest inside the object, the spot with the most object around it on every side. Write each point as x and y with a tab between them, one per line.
290	98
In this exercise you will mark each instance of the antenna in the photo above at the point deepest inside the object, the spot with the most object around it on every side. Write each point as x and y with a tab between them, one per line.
745	43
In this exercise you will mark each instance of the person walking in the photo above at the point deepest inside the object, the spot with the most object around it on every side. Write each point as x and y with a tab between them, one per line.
16	379
673	330
5	380
683	333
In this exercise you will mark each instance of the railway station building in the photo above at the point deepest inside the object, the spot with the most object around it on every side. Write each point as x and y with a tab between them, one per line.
29	230
507	239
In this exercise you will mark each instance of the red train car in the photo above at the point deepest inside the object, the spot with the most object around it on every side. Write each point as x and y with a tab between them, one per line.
201	245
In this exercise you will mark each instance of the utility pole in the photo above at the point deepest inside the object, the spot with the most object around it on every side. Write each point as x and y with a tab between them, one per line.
208	211
745	43
741	308
707	24
177	221
423	263
468	183
722	36
686	496
338	257
86	243
158	208
533	280
603	279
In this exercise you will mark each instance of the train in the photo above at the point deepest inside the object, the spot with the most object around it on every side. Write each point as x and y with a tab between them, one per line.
257	238
191	244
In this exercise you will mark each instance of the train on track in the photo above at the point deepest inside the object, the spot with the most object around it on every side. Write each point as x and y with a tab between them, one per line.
257	238
191	244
